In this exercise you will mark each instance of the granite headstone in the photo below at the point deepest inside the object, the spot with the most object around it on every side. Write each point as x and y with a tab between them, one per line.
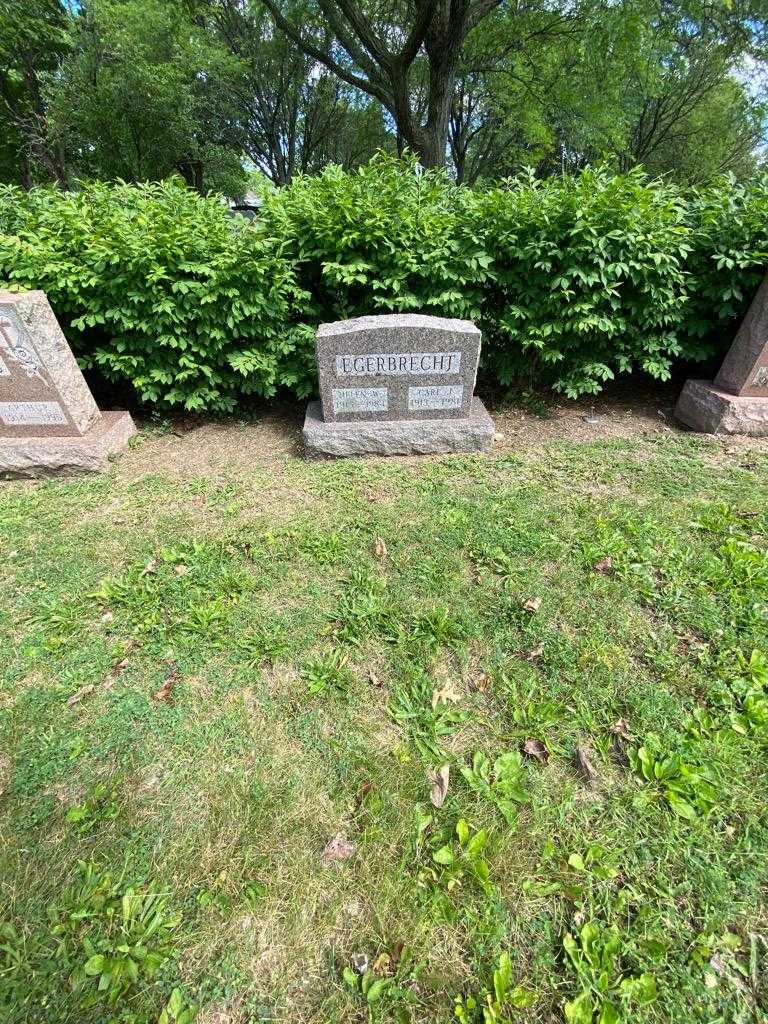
397	384
49	422
736	402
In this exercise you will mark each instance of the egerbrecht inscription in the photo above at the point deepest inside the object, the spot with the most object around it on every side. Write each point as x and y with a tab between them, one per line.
411	364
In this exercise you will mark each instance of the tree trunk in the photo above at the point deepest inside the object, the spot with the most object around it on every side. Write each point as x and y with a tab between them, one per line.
25	172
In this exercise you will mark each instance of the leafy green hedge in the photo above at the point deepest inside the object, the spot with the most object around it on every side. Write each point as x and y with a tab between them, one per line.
573	280
161	289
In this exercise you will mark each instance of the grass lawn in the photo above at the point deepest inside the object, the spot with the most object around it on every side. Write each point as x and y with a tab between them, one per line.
227	701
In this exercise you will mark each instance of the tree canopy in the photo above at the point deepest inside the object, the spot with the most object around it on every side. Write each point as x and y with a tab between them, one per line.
212	89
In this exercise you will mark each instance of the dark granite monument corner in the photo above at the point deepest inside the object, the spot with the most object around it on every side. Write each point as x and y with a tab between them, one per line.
397	384
49	422
736	402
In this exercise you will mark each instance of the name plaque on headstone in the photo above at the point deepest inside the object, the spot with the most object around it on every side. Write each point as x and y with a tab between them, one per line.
414	367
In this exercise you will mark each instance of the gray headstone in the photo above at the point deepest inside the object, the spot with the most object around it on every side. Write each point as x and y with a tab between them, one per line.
745	369
49	422
397	384
402	366
42	391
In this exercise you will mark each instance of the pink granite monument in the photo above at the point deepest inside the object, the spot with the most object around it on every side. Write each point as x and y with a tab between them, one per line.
736	402
49	422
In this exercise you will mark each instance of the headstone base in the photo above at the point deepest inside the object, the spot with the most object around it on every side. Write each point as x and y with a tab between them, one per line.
398	437
31	458
709	410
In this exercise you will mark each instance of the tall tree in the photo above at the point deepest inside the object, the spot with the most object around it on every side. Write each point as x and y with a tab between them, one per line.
34	37
387	50
293	114
145	93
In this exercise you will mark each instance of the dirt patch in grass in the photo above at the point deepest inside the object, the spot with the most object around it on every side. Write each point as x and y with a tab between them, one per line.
228	450
225	449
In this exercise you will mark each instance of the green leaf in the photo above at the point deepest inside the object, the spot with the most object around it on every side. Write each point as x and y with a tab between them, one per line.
94	965
443	856
579	1010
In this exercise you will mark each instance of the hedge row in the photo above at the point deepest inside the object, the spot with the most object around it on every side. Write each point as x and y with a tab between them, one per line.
572	280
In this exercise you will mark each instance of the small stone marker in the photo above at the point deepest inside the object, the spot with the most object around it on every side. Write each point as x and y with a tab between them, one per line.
397	384
736	402
49	422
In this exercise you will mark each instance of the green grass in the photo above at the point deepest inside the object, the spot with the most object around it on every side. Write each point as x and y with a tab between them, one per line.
205	680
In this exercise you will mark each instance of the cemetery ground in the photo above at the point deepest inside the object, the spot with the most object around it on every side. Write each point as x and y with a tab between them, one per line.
231	686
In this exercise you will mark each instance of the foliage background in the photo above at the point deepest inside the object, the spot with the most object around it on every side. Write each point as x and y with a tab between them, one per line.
574	280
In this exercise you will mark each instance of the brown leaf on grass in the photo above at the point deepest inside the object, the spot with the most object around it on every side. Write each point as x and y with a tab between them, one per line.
447	693
119	666
438	781
5	772
481	683
172	676
380	548
78	696
604	565
532	605
533	653
181	569
339	848
585	764
150	567
362	793
397	952
536	749
621	730
374	680
382	965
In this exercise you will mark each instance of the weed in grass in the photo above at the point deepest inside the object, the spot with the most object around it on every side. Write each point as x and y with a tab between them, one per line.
684	786
606	992
102	941
328	673
455	859
103	804
501	781
498	1004
428	722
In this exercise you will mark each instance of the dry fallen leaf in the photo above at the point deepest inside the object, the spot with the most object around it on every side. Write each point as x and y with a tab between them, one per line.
78	696
585	764
438	781
536	749
360	962
5	772
532	605
373	679
107	616
382	965
339	848
621	730
119	666
181	569
380	548
447	693
481	683
164	693
533	653
604	565
397	952
150	567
